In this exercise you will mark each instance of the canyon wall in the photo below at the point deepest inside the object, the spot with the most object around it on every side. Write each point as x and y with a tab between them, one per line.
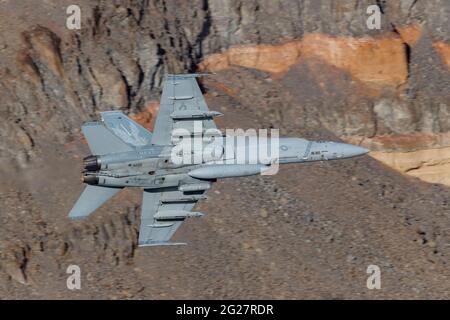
401	130
387	89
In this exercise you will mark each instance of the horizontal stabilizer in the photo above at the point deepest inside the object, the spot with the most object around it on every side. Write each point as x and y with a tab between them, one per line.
91	199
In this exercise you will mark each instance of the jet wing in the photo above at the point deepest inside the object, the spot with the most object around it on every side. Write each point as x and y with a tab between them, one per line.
182	104
163	213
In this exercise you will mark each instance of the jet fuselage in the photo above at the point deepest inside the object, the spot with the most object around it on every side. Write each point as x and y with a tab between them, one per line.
153	166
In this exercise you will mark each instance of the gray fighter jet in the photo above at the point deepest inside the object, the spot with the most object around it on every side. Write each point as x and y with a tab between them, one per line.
124	154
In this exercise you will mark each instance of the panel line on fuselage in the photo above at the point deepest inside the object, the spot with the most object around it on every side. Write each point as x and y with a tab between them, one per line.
308	149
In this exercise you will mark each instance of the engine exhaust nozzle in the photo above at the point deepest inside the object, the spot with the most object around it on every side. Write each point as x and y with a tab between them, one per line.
91	163
89	179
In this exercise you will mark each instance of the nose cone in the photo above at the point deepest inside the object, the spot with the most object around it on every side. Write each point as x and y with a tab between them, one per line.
349	150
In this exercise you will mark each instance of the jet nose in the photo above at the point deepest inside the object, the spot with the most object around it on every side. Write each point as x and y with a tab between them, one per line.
363	150
349	150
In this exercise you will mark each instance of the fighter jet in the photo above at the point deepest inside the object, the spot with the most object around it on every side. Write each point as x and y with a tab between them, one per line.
125	154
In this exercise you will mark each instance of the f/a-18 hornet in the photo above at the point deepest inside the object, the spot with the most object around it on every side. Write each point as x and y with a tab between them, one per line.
125	154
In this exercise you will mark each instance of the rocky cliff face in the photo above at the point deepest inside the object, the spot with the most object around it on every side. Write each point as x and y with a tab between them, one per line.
395	80
311	68
369	90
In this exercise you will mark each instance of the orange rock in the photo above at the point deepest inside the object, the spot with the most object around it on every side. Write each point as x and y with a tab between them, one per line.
145	118
410	34
270	58
378	61
444	51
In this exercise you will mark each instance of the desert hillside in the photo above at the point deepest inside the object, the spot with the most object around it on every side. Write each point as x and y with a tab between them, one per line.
310	68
